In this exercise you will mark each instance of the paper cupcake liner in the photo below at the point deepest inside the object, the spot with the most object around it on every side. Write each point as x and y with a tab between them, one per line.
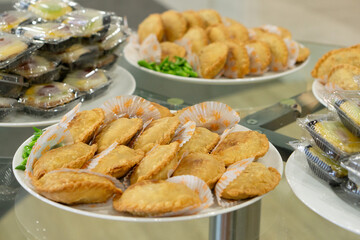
214	116
222	137
232	172
255	64
129	106
54	135
184	132
197	185
293	49
271	28
66	119
92	163
229	69
150	49
276	66
191	57
252	34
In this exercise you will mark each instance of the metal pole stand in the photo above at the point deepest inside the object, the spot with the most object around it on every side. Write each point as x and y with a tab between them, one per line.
243	224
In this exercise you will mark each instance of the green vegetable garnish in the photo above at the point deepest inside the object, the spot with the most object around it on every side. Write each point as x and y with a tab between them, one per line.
180	67
27	149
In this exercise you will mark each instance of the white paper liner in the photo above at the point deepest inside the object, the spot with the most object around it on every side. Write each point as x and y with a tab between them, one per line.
197	185
191	57
92	163
230	67
252	34
222	137
150	49
214	116
255	63
184	132
293	49
66	119
130	105
232	172
271	29
53	135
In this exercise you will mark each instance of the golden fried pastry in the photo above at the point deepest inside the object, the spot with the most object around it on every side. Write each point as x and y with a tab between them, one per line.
202	141
193	19
242	145
335	57
69	156
279	51
343	76
254	33
75	187
198	38
210	17
120	130
237	31
304	53
238	60
260	57
156	163
254	181
160	131
202	165
152	197
217	33
85	124
282	32
170	49
119	161
151	25
212	59
175	25
164	111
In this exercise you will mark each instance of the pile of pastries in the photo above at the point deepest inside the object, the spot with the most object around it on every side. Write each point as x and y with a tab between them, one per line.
224	47
339	68
168	163
52	52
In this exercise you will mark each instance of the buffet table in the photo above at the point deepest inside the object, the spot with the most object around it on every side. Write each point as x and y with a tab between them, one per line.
279	215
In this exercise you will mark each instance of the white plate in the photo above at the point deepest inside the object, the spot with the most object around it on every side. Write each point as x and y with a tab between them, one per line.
271	159
222	81
319	92
123	84
318	196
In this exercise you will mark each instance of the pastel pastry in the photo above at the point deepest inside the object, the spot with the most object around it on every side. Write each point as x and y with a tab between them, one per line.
175	25
202	141
304	53
193	19
260	56
151	197
210	17
164	111
197	37
217	33
254	181
343	76
72	187
151	25
156	164
242	145
85	124
119	161
238	62
50	9
86	80
212	59
120	130
11	46
48	95
281	31
160	131
324	167
170	50
236	30
69	156
202	165
335	57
